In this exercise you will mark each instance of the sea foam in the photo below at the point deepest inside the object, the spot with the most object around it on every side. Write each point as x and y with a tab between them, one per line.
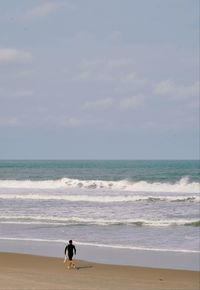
101	198
182	186
61	220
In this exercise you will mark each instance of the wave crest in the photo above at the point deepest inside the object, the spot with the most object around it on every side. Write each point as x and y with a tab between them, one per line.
101	198
96	221
182	186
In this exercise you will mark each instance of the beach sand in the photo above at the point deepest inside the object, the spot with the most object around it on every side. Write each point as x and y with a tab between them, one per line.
24	272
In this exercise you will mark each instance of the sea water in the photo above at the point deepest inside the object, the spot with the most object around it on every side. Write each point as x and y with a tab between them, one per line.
149	205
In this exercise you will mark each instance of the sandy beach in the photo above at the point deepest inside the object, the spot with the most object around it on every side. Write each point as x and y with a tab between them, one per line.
19	271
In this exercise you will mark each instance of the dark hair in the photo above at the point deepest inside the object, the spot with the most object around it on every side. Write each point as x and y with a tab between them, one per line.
70	241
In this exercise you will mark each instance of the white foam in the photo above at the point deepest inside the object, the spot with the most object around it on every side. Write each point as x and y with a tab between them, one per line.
182	186
100	198
30	219
99	245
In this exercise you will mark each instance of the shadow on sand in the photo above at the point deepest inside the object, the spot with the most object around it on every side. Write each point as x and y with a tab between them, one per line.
84	267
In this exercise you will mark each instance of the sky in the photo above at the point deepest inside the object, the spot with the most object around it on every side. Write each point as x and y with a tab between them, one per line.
99	79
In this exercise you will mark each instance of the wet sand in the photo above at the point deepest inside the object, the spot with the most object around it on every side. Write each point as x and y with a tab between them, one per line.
24	272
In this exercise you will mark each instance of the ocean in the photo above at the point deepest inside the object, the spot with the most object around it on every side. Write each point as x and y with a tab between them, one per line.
148	205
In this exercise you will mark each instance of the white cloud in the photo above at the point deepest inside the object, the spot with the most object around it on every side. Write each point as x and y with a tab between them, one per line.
83	36
11	93
119	63
45	9
115	35
106	75
168	88
9	55
131	102
99	104
8	121
71	122
130	77
23	74
113	71
107	103
23	93
84	76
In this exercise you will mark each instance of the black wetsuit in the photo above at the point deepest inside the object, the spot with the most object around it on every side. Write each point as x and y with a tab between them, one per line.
71	250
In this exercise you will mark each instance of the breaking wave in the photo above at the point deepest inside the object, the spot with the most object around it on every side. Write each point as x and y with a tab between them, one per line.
101	198
182	186
56	220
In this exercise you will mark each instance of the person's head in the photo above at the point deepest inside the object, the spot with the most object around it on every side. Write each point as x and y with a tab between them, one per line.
70	241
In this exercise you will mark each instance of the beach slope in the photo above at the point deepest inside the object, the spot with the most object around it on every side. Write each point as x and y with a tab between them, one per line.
19	271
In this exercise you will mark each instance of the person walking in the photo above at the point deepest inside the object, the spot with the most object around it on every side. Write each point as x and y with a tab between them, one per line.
71	249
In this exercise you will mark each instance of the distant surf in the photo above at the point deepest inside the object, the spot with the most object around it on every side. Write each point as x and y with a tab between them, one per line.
135	204
30	219
183	185
102	198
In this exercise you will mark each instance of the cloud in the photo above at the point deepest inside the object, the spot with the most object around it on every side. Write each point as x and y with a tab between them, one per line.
99	104
107	103
104	70
115	35
105	75
45	9
8	122
23	93
119	63
71	122
83	36
11	93
131	102
9	55
23	74
168	88
118	72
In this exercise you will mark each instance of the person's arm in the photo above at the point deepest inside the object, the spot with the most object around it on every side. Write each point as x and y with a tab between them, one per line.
74	250
66	249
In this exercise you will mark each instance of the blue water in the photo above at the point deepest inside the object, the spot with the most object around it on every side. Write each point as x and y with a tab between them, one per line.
152	171
132	204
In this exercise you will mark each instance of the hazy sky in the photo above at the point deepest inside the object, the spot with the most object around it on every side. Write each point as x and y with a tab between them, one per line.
99	79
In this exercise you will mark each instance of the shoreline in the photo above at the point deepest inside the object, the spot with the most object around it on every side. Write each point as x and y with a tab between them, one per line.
106	255
22	271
